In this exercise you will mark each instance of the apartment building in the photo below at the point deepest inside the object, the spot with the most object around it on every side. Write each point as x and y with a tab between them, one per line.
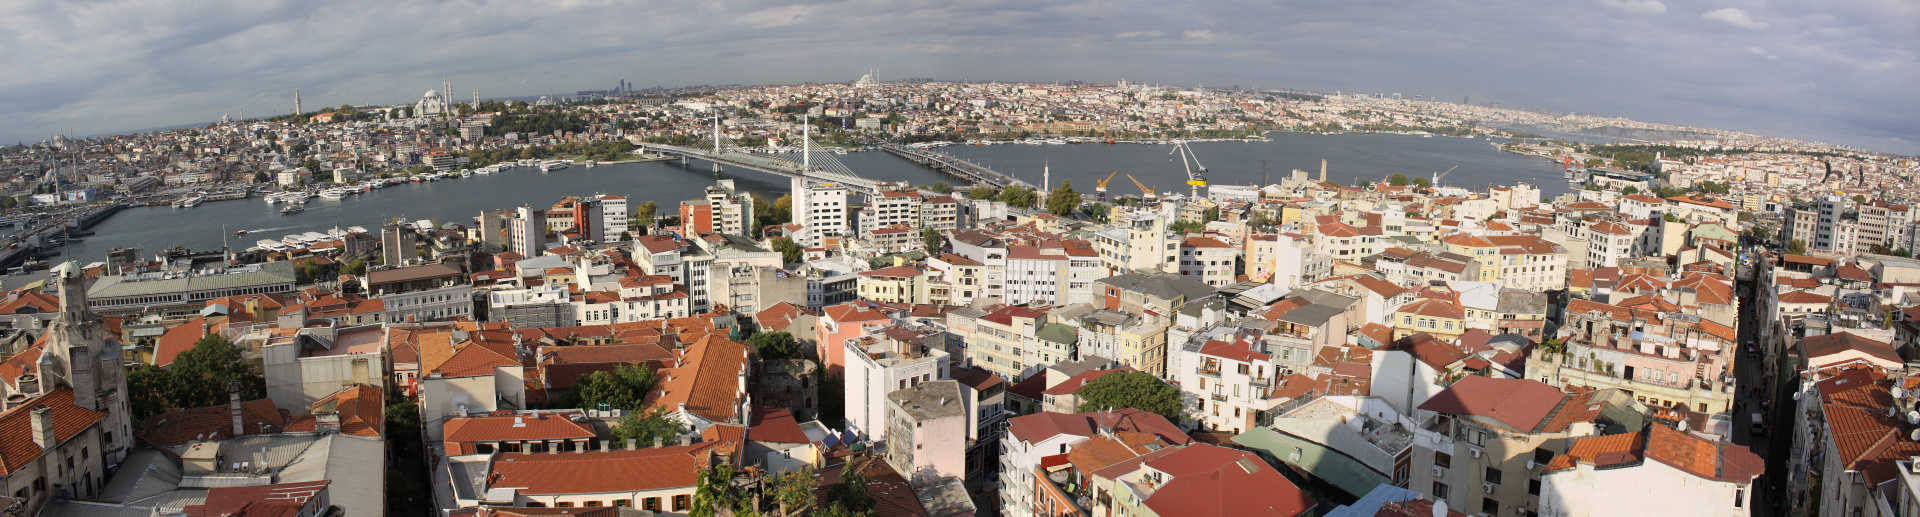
886	360
1208	260
928	431
1646	347
1481	443
1013	341
1611	475
1226	383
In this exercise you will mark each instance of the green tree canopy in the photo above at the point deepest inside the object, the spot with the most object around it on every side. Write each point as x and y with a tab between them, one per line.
775	346
930	240
646	212
790	252
625	387
941	187
643	426
199	376
1423	182
981	193
1186	227
1018	197
1063	200
1137	390
1397	180
1797	247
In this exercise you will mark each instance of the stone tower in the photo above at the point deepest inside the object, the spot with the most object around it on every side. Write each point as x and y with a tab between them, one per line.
80	354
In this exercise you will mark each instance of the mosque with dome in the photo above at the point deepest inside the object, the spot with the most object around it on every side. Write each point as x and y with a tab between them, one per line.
433	103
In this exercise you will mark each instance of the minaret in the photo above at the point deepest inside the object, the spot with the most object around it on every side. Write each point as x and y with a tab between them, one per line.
296	102
1046	177
80	354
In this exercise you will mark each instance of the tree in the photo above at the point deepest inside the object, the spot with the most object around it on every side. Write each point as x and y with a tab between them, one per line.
199	377
1423	182
646	213
715	492
941	187
645	425
981	193
625	387
1397	180
260	176
793	492
1137	390
1797	247
1211	215
1018	197
930	238
357	267
403	422
1859	199
147	391
1186	227
848	497
790	253
1630	190
1063	200
775	346
1760	232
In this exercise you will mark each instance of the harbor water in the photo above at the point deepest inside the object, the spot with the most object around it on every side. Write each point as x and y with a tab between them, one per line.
1351	157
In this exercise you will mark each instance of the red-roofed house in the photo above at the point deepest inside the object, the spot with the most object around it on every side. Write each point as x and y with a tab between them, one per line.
1200	480
846	321
707	384
1694	476
1476	438
1031	438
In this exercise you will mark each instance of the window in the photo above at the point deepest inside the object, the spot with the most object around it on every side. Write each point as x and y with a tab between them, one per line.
1542	456
592	504
1533	487
679	502
623	503
1739	497
563	504
1439	491
1442	459
1489	506
652	504
1493	475
1477	437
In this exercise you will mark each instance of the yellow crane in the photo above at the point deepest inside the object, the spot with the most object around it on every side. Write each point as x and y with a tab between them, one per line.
1101	186
1146	193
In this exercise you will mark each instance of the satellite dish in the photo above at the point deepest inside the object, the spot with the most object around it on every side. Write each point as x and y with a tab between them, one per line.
1896	392
1440	507
1915	435
1913	417
1796	395
1682	426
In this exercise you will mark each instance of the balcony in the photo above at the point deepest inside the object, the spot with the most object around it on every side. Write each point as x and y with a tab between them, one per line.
1210	372
1262	381
1220	396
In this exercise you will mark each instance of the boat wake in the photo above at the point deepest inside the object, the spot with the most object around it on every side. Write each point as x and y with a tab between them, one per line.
269	229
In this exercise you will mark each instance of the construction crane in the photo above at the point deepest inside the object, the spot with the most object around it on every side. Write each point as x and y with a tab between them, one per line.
1101	186
1437	176
1196	173
1147	195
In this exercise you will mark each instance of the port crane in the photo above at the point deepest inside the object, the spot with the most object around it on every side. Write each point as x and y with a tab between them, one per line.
1101	186
1437	176
1147	195
1196	173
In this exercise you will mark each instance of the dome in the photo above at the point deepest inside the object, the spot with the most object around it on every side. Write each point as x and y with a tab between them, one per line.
431	94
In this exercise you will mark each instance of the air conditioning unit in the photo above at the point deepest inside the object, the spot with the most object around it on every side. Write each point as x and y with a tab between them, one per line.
1473	452
1487	486
1439	471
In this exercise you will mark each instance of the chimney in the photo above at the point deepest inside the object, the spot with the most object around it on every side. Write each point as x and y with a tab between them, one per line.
553	447
658	442
606	445
43	427
633	444
686	439
1323	170
233	405
580	445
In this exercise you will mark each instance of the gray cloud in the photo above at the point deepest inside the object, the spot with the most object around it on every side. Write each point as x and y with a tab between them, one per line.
1829	71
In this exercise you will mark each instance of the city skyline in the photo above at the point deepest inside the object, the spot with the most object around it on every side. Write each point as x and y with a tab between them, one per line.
1813	73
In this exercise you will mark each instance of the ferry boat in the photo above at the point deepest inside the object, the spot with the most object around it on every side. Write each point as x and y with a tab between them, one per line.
190	201
293	209
592	163
273	199
240	233
553	165
333	193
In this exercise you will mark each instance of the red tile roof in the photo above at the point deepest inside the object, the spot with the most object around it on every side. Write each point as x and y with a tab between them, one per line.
1040	426
509	427
775	425
178	427
1520	404
1212	481
598	472
17	447
707	381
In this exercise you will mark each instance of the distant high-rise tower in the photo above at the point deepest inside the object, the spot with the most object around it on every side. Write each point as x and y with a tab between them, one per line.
1467	100
296	102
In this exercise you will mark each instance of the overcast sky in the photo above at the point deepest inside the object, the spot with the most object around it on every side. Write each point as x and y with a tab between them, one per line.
1839	71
